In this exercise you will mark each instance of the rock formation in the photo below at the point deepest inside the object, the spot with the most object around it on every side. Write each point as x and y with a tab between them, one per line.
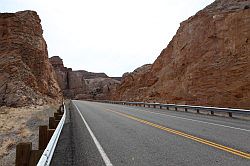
82	84
206	63
26	76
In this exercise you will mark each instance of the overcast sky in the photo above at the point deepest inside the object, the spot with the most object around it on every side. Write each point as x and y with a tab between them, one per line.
111	36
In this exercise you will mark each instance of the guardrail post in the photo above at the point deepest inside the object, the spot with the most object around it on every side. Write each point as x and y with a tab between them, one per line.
43	135
187	108
23	153
35	155
57	116
25	156
59	110
50	133
52	124
56	123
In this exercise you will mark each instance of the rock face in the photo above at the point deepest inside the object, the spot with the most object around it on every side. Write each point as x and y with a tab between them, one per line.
26	76
132	84
206	63
82	84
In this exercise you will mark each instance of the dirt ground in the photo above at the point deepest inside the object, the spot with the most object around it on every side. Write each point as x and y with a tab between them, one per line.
21	125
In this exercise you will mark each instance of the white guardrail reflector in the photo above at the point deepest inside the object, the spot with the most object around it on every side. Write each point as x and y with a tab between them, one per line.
49	151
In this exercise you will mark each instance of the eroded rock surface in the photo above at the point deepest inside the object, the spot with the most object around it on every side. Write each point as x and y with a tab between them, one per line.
82	84
206	63
26	76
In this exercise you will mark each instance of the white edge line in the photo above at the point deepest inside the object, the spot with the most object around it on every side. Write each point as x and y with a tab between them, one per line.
177	117
98	145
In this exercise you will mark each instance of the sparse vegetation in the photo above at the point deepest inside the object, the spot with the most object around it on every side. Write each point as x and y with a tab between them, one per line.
20	125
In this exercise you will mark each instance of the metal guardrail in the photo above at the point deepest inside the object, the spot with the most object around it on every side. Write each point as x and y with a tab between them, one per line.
49	151
230	111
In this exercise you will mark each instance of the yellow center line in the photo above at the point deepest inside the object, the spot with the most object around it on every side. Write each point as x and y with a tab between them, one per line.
194	138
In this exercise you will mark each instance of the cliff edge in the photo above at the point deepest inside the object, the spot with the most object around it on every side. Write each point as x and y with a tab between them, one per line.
26	76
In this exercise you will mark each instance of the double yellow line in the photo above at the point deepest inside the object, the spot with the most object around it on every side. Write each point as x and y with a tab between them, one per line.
197	139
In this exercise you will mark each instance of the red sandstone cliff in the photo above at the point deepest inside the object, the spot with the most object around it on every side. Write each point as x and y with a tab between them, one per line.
82	84
206	63
26	76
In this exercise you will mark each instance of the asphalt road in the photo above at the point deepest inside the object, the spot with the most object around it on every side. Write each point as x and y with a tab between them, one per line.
106	134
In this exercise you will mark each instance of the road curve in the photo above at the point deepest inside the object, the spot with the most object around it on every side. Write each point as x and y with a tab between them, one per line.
106	134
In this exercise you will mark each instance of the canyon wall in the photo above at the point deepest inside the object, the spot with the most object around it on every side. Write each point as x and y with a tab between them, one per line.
26	76
206	63
82	84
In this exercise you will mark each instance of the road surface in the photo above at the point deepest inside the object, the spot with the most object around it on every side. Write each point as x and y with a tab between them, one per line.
107	134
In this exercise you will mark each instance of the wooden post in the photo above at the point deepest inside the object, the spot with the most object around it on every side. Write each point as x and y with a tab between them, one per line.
56	123
23	153
52	124
50	133
43	135
186	109
160	107
212	112
198	111
59	111
59	117
35	155
56	115
175	108
167	108
230	114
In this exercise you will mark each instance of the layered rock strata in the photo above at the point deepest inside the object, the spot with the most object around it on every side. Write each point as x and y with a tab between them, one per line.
26	76
82	84
206	63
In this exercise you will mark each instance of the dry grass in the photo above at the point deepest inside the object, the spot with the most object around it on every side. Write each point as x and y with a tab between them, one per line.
20	125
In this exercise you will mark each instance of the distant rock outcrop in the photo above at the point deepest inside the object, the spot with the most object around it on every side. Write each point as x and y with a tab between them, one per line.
206	63
26	76
82	84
